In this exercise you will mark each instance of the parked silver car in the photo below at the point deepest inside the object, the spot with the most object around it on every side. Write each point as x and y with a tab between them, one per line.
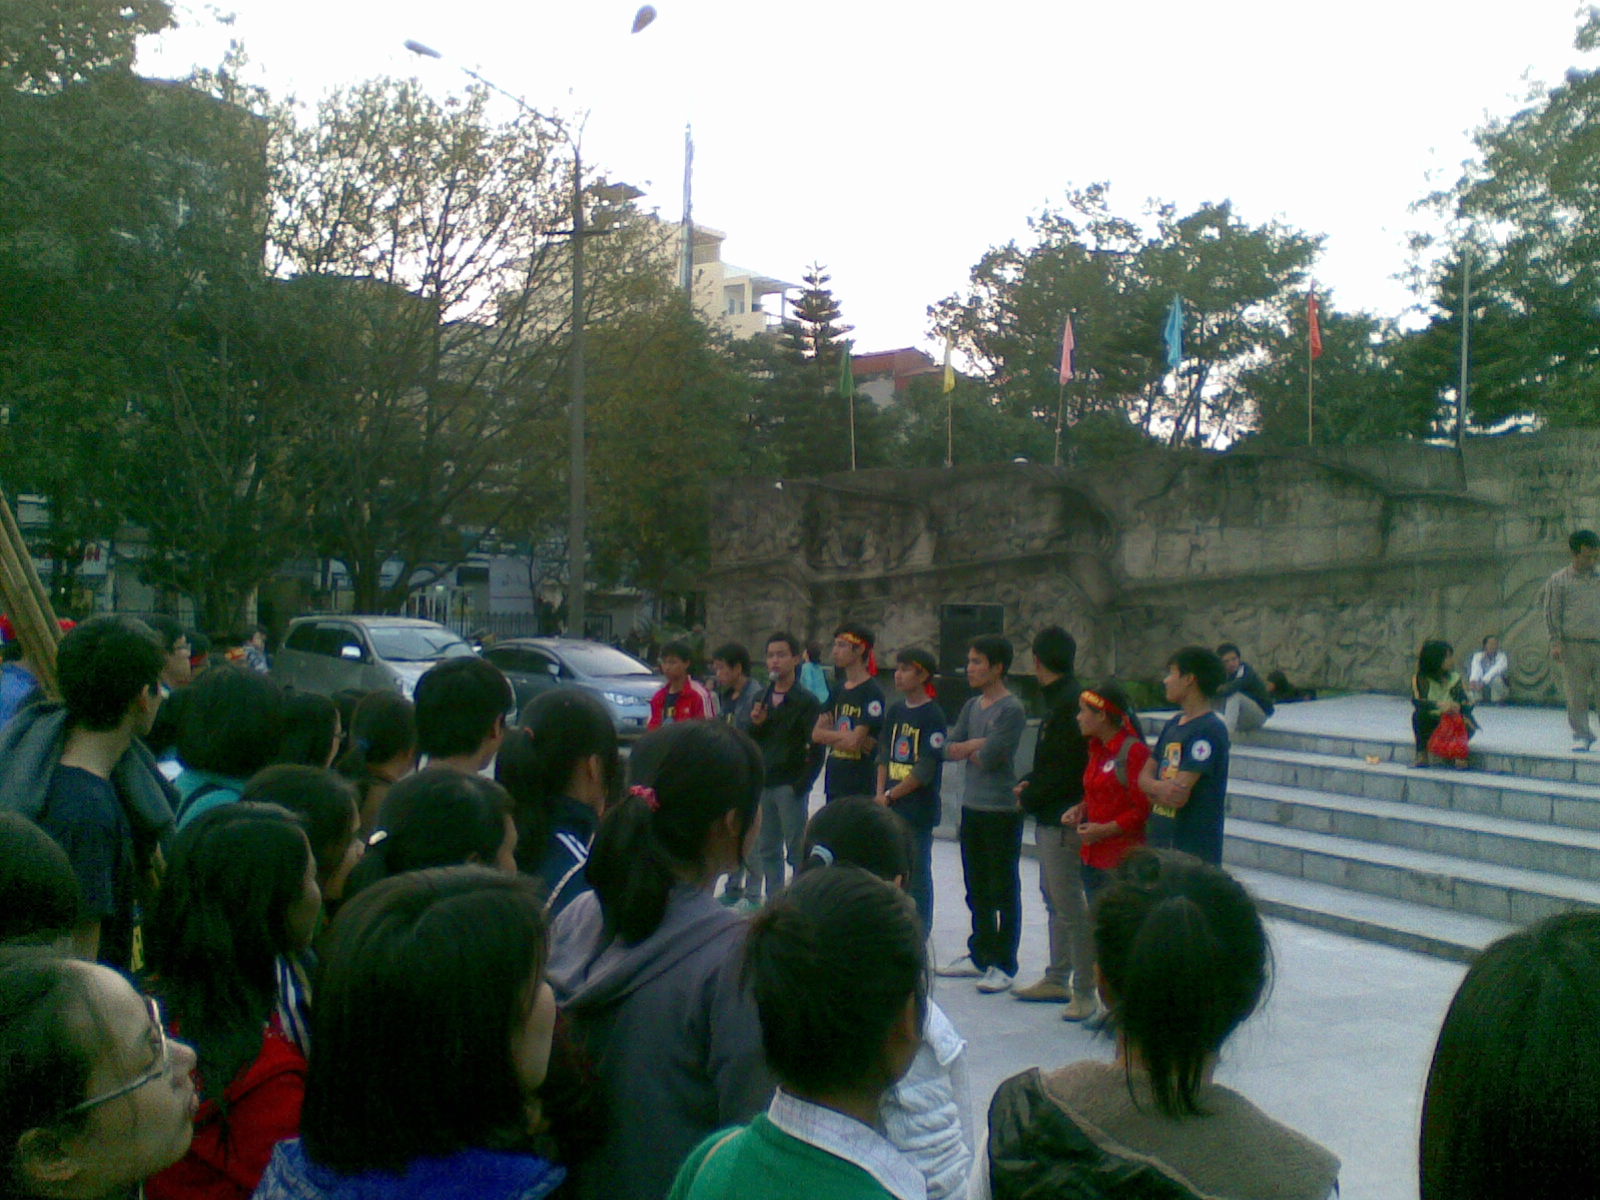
537	664
328	654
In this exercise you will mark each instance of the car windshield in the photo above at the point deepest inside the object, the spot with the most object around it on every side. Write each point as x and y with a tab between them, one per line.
603	660
415	643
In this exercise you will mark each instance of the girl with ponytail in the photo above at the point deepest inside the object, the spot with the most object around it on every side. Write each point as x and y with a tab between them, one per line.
646	965
1183	961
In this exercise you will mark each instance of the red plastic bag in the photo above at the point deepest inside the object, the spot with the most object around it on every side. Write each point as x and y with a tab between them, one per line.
1449	740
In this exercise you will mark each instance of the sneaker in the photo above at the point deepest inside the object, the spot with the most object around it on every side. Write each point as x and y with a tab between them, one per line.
1082	1008
961	968
994	980
1046	991
748	906
1581	745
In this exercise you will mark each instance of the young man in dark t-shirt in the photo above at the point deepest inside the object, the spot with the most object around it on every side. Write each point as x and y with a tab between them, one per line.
853	720
910	763
109	670
1187	776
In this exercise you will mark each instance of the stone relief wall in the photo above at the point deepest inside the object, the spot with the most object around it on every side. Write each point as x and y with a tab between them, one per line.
1333	567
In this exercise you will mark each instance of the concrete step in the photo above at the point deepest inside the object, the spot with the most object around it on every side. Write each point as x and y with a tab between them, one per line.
1399	923
1509	797
1497	892
1485	839
1574	768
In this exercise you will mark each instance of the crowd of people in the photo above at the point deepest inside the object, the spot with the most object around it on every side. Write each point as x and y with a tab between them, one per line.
371	947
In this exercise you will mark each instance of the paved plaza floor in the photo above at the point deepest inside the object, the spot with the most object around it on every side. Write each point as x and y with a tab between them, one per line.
1339	1051
1502	728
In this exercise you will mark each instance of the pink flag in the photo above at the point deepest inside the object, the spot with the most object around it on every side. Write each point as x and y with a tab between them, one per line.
1067	345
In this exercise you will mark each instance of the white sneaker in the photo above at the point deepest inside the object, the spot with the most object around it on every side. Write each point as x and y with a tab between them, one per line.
961	968
995	980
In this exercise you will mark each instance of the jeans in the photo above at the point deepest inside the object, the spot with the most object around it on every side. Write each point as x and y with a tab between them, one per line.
783	828
1061	883
991	846
920	886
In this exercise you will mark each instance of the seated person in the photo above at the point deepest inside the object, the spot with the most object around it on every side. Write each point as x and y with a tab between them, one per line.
1284	692
1182	962
1243	699
1488	677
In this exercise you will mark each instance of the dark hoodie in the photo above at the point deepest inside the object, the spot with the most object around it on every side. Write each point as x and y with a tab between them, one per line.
674	1038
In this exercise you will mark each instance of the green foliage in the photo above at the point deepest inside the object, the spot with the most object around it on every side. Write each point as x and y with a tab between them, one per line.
47	44
1240	285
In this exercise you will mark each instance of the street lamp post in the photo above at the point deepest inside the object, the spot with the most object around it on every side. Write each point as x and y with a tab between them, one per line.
577	492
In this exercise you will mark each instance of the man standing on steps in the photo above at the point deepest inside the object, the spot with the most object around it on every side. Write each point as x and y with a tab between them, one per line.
1186	778
853	720
1572	619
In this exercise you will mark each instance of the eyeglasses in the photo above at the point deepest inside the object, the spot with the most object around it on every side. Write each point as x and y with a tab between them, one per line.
157	1070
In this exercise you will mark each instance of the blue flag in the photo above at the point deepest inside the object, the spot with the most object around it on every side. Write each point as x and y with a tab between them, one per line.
1173	334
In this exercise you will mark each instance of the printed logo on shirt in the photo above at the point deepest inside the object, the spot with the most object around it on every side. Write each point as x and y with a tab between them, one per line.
875	708
936	741
1108	766
844	722
1174	756
1201	750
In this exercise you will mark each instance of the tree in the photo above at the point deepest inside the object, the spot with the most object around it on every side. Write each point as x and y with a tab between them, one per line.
446	314
1529	210
47	44
1239	283
665	402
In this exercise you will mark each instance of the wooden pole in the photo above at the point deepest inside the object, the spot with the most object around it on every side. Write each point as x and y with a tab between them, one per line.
26	601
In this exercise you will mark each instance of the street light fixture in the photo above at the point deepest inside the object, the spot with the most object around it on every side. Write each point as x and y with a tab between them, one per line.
577	517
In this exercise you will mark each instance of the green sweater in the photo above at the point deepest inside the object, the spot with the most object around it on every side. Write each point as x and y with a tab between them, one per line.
762	1160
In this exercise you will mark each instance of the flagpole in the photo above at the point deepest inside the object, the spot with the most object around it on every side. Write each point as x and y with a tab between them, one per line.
1061	400
1311	429
949	429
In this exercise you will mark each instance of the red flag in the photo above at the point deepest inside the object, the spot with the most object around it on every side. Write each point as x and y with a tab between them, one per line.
1067	345
1315	325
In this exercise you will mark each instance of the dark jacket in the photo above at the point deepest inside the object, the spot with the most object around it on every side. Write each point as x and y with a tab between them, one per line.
785	737
563	868
1252	685
1056	782
465	1175
1041	1145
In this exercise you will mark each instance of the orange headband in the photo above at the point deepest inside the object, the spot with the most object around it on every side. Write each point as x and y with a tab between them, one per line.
1100	704
861	643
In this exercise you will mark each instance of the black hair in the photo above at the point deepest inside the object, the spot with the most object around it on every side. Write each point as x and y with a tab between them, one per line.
695	774
169	630
558	730
1185	960
857	831
458	703
1205	665
1583	539
1430	659
918	657
814	652
438	817
994	648
1278	683
199	645
832	961
308	734
856	630
46	1042
1056	649
324	801
219	925
734	654
103	666
788	639
677	649
426	981
231	723
1513	1094
38	888
346	700
1114	693
1228	648
1487	638
383	727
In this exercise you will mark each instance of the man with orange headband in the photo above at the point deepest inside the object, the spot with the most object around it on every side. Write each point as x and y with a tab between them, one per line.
910	763
851	724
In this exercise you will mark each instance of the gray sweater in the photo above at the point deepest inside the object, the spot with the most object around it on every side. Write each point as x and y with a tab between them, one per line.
990	776
674	1038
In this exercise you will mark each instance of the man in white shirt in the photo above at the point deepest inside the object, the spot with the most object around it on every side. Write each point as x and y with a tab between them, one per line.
1487	679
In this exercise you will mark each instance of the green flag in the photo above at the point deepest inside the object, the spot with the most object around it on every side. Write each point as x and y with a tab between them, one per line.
847	376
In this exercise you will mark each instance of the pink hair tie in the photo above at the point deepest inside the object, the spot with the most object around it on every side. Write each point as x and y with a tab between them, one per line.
648	795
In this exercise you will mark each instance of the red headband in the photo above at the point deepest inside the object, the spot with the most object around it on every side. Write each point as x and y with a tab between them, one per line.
863	644
1100	704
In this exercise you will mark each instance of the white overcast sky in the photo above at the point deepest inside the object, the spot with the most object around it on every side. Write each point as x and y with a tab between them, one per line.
895	142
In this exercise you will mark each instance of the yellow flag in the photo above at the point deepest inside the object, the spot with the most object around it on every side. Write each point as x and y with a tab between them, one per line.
949	371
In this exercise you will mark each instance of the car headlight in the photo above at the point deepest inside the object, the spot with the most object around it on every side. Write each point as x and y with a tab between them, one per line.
620	699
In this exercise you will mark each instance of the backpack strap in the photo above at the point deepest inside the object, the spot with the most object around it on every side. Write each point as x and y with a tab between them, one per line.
205	789
1122	760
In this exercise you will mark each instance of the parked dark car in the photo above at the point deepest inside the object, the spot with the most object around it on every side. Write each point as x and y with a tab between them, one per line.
623	683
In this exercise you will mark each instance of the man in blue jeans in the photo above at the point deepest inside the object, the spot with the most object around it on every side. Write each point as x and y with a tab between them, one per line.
781	722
